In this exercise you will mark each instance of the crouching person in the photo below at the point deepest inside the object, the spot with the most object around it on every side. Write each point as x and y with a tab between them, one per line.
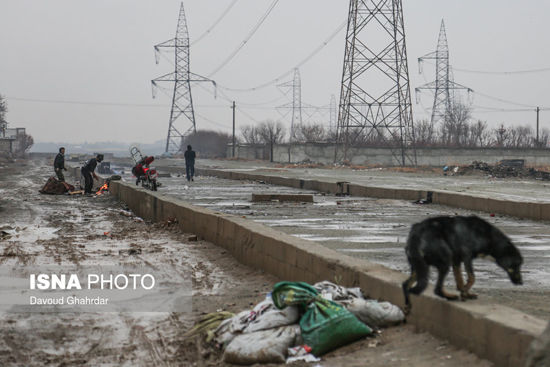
88	170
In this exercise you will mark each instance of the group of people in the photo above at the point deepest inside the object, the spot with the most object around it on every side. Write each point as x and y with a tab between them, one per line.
88	169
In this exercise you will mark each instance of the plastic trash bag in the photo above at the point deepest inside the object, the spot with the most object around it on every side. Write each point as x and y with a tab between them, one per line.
267	346
327	326
374	313
271	317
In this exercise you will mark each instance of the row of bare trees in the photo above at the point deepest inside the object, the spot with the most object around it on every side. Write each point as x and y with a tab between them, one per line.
460	130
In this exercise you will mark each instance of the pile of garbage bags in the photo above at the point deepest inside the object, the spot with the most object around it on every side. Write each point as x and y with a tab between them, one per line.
298	321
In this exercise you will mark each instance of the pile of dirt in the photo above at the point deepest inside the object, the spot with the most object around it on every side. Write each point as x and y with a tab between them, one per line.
501	171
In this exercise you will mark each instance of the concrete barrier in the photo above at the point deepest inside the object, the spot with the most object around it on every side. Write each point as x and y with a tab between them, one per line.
492	332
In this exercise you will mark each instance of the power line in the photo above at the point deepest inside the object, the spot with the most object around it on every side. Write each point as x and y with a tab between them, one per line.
214	24
532	71
264	17
305	60
85	103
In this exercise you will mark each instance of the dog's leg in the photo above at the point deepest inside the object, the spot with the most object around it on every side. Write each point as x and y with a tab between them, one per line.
407	284
442	271
458	278
465	292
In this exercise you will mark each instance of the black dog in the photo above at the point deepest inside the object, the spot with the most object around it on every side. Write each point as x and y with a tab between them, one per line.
449	241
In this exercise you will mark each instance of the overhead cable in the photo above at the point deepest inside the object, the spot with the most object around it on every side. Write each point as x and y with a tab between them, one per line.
246	39
214	24
301	63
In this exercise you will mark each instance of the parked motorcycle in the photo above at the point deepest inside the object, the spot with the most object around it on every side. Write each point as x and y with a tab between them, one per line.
145	175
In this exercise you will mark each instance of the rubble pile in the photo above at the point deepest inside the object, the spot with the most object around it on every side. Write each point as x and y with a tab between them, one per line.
502	171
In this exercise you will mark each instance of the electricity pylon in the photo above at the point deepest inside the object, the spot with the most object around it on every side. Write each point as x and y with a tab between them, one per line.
444	86
295	105
332	120
182	101
375	101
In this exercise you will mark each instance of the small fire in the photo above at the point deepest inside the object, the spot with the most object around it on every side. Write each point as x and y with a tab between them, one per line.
103	188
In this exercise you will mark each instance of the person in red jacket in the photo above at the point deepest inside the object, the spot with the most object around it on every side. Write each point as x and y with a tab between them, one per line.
139	170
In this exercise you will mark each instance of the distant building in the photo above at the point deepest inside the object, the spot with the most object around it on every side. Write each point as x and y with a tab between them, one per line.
8	138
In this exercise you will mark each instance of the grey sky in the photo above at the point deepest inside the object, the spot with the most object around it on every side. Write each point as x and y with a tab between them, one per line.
96	56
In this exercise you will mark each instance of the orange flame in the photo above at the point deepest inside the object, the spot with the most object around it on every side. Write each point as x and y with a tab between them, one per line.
102	189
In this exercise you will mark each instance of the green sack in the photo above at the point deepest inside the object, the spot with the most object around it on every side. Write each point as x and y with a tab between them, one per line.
293	294
326	326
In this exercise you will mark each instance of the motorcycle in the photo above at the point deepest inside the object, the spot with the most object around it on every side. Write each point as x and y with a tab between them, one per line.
145	175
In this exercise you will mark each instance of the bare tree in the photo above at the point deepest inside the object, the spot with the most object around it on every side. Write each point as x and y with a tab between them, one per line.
313	132
271	133
250	134
502	136
3	111
424	133
479	135
455	128
544	138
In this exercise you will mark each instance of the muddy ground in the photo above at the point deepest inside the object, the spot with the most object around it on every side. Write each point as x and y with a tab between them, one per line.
71	230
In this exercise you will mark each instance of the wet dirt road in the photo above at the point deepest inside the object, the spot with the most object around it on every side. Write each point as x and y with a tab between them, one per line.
71	230
377	229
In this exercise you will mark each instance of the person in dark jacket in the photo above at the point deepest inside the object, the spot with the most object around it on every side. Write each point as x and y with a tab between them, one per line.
59	164
190	163
88	171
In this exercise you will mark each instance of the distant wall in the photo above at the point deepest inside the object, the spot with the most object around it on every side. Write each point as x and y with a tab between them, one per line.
438	157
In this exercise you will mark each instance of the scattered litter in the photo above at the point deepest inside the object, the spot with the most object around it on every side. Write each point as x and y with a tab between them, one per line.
193	238
138	220
7	231
208	323
306	358
374	343
299	350
132	251
126	213
106	233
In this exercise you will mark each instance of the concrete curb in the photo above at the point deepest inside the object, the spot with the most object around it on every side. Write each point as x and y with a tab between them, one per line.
499	334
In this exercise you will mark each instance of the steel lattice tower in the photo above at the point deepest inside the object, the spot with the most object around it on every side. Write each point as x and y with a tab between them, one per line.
375	99
295	106
182	101
332	121
444	86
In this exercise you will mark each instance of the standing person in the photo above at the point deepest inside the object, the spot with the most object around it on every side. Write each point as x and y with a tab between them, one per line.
59	164
88	171
190	163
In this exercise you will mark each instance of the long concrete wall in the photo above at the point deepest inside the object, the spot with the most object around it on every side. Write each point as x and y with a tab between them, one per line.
437	157
493	332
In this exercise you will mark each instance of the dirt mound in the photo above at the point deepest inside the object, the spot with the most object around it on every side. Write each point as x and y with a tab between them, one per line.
501	171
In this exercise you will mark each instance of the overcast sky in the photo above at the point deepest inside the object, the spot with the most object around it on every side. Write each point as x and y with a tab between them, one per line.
76	71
